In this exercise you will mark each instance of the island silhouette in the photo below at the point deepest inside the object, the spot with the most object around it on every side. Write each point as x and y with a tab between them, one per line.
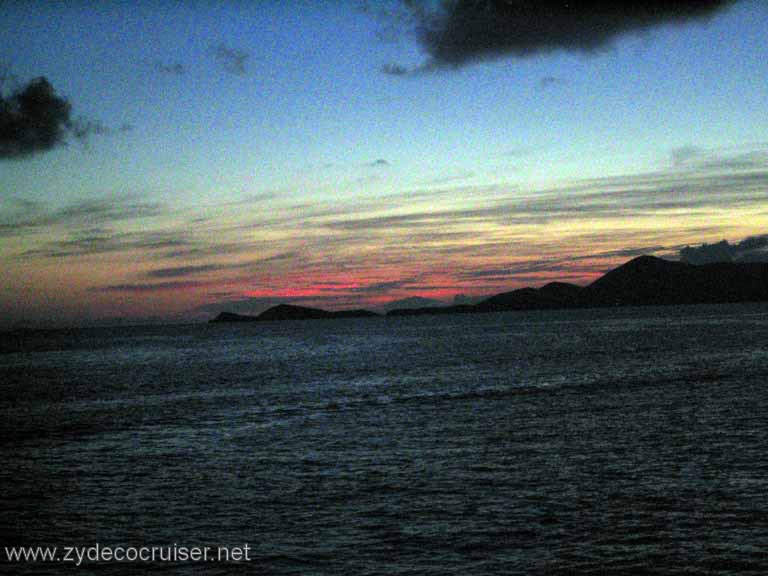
643	281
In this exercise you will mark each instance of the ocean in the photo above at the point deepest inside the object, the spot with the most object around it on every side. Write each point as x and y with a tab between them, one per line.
607	441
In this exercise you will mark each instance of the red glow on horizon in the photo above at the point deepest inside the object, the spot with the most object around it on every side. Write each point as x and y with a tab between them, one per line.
283	293
376	288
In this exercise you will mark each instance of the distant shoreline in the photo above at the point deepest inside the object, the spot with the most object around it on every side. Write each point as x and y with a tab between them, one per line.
642	281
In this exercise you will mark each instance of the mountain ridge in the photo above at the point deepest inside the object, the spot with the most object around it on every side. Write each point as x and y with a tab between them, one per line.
642	281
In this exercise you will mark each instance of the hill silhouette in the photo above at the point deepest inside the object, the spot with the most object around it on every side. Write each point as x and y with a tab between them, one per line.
647	280
550	296
643	281
413	302
291	312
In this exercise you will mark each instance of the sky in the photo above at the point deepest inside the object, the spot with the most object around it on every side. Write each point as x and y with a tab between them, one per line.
167	161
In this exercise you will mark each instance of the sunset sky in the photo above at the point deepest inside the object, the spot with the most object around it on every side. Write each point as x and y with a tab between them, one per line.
234	155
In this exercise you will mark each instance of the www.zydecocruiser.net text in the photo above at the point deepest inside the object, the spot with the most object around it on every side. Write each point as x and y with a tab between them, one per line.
97	553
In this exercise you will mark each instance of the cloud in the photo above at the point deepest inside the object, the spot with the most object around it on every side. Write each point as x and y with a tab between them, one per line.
752	243
87	213
608	198
20	208
381	287
460	32
209	249
410	223
389	222
630	252
172	68
685	155
754	160
98	211
696	158
33	119
103	242
194	269
158	287
82	129
233	60
551	82
395	70
181	271
752	249
706	253
378	163
526	267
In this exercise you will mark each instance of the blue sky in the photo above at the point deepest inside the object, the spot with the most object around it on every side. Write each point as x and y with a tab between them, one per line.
265	139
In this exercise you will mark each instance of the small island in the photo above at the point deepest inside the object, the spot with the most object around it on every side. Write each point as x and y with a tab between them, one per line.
291	312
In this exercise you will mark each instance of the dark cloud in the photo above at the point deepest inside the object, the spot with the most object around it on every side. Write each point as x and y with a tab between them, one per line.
207	250
381	287
753	243
82	129
182	271
279	257
561	267
233	60
658	235
88	213
706	253
104	241
518	268
458	32
173	68
99	211
395	70
33	119
752	249
158	287
190	270
624	253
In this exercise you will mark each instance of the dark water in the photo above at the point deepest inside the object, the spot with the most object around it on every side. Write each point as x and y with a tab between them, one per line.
579	442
